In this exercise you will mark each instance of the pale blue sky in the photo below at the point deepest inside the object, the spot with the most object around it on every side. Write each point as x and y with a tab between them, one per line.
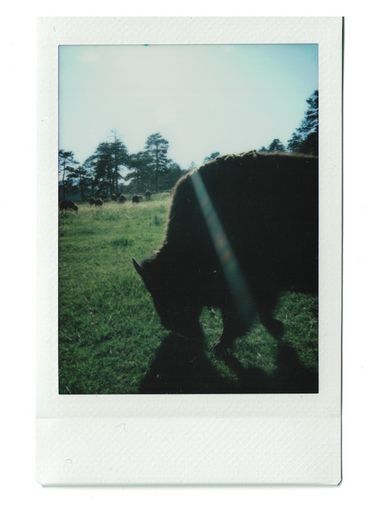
201	98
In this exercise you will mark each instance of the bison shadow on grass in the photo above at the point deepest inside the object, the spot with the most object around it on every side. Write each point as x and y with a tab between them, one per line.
181	366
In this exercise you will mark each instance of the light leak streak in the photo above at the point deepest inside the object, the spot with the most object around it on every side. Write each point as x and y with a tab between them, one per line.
239	289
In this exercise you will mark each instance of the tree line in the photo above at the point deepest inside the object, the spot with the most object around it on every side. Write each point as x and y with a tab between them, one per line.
111	170
304	139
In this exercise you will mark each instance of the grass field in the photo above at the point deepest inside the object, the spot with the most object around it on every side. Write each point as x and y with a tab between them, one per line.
110	337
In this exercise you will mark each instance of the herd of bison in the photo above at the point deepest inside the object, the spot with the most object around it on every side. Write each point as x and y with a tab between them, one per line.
98	202
241	230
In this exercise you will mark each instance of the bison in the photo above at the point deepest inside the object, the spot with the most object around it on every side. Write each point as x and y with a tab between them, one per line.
136	198
92	201
148	195
122	198
241	229
99	202
68	205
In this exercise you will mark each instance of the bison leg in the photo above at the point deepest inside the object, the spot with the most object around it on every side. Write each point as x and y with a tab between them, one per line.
234	327
266	308
274	327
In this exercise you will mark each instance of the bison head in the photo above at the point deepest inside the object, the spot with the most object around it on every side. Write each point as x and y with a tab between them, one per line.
171	295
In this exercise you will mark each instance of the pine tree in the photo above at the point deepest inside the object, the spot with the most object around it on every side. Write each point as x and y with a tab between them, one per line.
211	157
305	138
172	175
66	165
276	146
80	176
107	161
156	148
139	171
120	158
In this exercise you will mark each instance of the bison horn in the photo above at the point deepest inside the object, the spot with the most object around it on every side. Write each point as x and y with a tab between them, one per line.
137	267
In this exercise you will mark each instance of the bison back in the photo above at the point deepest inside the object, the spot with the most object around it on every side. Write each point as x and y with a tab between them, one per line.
267	209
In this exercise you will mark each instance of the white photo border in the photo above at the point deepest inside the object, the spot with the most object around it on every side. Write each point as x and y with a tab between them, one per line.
192	439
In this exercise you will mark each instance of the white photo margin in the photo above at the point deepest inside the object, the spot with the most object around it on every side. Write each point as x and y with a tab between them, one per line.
191	439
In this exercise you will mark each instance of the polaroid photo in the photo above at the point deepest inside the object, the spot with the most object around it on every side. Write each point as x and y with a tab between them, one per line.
190	228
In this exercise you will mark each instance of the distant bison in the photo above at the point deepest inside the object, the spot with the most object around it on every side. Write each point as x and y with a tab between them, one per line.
122	198
241	229
91	201
99	202
136	198
148	195
68	205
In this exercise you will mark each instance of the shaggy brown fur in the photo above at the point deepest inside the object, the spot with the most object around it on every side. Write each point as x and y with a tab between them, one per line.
268	207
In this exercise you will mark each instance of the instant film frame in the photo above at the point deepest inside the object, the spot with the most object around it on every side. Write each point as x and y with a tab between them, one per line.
192	439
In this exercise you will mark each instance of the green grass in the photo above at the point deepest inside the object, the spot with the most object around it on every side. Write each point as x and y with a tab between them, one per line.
109	331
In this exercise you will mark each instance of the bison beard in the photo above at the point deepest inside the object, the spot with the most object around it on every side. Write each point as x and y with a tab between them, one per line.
241	229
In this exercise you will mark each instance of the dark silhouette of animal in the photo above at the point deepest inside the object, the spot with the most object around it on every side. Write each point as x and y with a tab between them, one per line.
113	197
136	198
242	229
68	205
183	367
99	202
92	201
148	195
122	198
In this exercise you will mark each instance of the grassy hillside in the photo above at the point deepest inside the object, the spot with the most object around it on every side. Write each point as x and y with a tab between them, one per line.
110	337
